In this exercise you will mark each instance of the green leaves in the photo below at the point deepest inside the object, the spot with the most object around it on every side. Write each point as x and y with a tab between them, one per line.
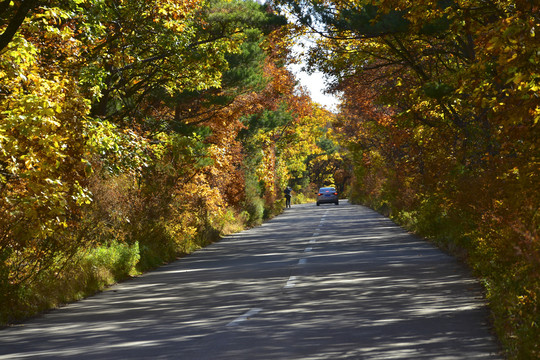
369	21
118	151
437	90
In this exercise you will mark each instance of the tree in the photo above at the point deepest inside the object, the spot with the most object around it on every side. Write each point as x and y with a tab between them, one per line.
80	110
441	113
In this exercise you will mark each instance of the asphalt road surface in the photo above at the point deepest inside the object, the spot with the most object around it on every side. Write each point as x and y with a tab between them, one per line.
327	282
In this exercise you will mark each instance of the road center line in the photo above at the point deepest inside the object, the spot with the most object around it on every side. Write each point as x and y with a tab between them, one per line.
244	317
291	282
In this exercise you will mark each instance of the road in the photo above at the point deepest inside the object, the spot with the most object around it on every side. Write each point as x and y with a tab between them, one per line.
328	282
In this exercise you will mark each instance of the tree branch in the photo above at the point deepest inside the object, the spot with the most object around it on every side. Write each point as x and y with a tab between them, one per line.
16	21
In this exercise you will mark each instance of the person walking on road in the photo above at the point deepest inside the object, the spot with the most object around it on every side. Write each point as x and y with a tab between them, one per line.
288	197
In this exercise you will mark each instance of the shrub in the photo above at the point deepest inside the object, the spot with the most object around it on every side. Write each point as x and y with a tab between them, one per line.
255	209
118	258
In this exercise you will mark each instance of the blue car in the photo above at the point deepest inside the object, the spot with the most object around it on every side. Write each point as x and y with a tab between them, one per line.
327	195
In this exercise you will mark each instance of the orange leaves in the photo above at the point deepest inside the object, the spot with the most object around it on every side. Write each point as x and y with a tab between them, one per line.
442	120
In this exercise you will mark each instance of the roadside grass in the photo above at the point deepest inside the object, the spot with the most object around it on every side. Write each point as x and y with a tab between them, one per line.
148	245
92	270
80	276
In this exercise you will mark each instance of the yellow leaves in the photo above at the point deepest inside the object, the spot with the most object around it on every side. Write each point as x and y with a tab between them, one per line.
195	204
536	115
512	58
265	169
40	142
174	15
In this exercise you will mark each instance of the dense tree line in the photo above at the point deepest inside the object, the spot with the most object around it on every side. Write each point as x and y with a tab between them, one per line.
441	110
132	132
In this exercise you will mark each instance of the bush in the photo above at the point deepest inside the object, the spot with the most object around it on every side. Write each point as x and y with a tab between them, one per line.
157	244
231	222
255	210
118	258
301	199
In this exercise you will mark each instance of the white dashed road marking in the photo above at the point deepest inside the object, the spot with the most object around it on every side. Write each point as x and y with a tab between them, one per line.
244	317
291	283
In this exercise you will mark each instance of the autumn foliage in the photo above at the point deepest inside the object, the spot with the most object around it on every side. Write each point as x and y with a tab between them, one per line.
132	132
441	113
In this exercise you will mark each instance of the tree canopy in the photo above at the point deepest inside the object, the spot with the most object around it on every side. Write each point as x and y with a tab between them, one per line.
441	110
132	132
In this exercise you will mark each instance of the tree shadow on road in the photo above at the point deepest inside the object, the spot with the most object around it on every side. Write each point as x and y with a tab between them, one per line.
367	290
